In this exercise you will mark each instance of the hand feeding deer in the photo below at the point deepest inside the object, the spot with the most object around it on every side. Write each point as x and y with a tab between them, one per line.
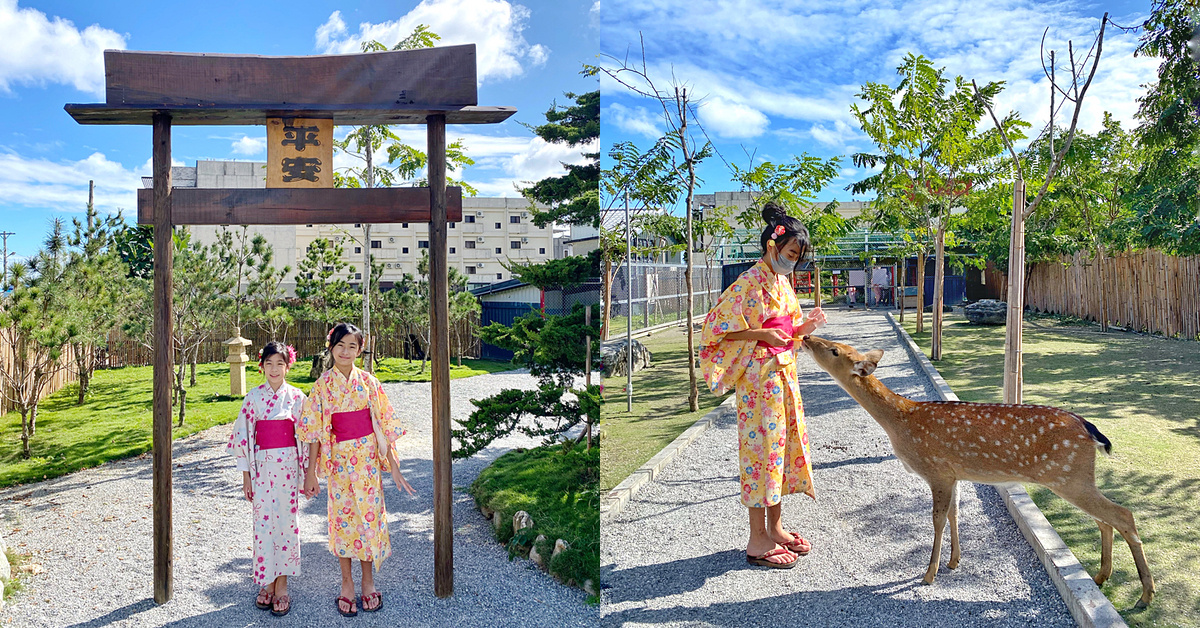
947	441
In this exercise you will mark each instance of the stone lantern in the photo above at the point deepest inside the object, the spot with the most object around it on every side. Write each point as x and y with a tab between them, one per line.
237	363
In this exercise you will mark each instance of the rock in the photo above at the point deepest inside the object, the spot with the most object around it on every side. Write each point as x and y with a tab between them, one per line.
521	520
5	568
613	358
536	556
3	545
487	512
589	587
987	312
499	521
321	362
559	546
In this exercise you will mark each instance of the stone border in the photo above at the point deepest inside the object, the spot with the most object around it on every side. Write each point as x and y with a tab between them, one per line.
615	500
1089	607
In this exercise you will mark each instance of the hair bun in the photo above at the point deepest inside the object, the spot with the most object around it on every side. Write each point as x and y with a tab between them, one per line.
773	213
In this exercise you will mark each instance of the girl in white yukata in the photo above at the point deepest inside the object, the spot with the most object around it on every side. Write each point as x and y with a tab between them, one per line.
264	445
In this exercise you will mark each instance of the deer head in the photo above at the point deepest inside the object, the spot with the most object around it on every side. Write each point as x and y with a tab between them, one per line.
841	361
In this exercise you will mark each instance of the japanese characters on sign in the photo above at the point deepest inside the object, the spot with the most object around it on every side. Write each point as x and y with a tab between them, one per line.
299	153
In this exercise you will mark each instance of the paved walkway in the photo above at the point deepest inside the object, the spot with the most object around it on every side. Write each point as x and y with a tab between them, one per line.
676	554
91	531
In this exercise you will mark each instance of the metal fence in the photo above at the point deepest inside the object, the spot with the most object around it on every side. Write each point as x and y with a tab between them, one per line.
657	293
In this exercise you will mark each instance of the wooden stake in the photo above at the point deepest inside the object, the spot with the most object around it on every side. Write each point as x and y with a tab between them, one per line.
1016	306
439	351
587	360
164	587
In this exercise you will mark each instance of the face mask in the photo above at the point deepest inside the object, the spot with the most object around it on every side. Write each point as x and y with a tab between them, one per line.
782	265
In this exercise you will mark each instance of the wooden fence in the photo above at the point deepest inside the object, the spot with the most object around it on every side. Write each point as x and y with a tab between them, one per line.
1149	291
61	378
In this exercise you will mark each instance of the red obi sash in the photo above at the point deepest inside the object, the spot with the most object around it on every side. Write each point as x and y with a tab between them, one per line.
351	425
784	324
275	434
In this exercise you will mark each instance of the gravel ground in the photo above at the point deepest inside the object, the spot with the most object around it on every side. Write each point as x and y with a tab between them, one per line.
91	532
676	554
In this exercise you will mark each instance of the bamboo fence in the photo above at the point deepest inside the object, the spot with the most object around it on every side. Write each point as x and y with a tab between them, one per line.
63	377
1149	291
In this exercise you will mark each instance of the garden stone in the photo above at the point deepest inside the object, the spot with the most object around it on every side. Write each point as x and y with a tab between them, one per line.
987	312
487	512
614	358
498	521
589	587
521	520
3	545
5	568
536	556
559	547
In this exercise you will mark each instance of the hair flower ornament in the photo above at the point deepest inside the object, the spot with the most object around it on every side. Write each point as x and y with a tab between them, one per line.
779	230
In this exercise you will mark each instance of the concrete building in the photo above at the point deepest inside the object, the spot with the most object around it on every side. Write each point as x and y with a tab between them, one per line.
493	230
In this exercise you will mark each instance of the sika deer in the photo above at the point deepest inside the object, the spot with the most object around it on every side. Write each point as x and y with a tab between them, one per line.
947	441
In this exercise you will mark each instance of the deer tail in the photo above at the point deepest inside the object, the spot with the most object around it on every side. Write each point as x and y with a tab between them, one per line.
1102	441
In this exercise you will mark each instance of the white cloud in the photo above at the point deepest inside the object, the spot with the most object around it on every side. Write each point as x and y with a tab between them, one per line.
732	119
837	136
249	146
63	185
636	120
37	50
495	26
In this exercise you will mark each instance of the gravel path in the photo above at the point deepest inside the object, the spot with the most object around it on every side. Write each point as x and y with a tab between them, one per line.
675	555
91	532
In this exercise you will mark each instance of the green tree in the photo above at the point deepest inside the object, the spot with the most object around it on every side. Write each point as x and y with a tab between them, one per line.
35	325
574	198
323	284
135	246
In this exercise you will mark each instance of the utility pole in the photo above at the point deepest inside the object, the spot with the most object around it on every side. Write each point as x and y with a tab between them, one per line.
4	277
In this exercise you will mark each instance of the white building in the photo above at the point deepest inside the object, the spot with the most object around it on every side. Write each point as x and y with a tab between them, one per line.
493	230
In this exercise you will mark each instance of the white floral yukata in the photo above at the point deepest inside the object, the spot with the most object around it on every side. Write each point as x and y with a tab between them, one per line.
277	476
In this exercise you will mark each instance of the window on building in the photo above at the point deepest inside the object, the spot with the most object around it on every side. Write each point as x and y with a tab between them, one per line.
451	225
357	225
404	225
328	269
469	219
358	275
470	270
514	244
307	225
376	244
497	225
541	226
514	220
452	250
358	249
422	244
404	250
470	244
498	251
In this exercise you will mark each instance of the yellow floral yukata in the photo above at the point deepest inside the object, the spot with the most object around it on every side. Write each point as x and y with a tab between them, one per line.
772	439
354	468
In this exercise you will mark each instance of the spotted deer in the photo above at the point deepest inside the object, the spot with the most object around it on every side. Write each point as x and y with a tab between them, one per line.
947	441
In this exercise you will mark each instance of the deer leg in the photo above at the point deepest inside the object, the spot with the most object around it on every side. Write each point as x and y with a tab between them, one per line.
1106	543
1089	499
953	519
942	491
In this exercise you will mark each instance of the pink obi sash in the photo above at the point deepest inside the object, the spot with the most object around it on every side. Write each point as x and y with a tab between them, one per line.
351	425
784	324
275	434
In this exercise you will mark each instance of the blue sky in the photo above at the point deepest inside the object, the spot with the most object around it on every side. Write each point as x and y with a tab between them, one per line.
777	77
529	53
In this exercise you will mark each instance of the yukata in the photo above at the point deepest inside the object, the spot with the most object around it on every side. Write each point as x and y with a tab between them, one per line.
263	443
772	440
351	461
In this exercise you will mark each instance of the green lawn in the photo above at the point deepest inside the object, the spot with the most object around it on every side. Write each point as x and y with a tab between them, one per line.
115	419
660	410
1140	391
559	491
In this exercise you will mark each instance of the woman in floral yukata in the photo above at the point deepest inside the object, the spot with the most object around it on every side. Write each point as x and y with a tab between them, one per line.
263	443
351	429
748	345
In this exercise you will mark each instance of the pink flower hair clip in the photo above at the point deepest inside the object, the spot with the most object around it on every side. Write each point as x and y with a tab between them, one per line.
779	230
291	354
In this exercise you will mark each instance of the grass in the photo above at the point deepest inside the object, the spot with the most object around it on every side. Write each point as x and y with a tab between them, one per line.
660	408
1141	392
14	583
559	491
115	419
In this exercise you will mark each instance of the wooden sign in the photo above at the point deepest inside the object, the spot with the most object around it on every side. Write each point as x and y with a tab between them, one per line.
234	206
299	153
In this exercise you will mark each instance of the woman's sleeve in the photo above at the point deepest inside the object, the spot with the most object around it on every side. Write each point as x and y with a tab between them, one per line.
302	445
239	438
724	361
311	425
382	409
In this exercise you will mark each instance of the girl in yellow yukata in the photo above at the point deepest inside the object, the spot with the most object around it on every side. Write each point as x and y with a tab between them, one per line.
748	345
351	429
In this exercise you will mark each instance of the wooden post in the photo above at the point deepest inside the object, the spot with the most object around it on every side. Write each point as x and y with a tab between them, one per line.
1016	289
939	290
587	360
439	353
164	587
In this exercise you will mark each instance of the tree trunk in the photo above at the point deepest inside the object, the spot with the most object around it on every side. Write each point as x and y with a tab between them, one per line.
608	282
84	380
25	434
1100	260
1016	298
939	292
192	367
921	292
816	286
900	289
693	389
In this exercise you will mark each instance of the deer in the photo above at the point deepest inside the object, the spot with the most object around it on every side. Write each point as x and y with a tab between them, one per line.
990	443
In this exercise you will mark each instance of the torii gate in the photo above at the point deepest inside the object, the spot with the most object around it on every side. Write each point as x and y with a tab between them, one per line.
431	86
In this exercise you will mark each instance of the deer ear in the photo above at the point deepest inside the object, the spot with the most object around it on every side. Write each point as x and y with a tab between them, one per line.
866	366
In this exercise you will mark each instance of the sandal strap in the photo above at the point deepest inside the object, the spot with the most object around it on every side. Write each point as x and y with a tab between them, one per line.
775	552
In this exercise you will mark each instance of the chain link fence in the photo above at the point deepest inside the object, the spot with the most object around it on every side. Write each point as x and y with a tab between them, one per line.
657	293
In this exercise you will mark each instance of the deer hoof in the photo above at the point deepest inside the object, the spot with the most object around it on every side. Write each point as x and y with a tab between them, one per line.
929	577
953	564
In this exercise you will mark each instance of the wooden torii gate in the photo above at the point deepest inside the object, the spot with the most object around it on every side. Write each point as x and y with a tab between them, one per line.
432	86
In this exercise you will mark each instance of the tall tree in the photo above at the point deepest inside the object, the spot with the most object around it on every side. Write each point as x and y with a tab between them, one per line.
323	283
573	198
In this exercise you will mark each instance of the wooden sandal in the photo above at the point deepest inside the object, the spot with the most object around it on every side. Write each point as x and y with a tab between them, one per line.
349	603
362	601
286	609
796	545
264	605
761	561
